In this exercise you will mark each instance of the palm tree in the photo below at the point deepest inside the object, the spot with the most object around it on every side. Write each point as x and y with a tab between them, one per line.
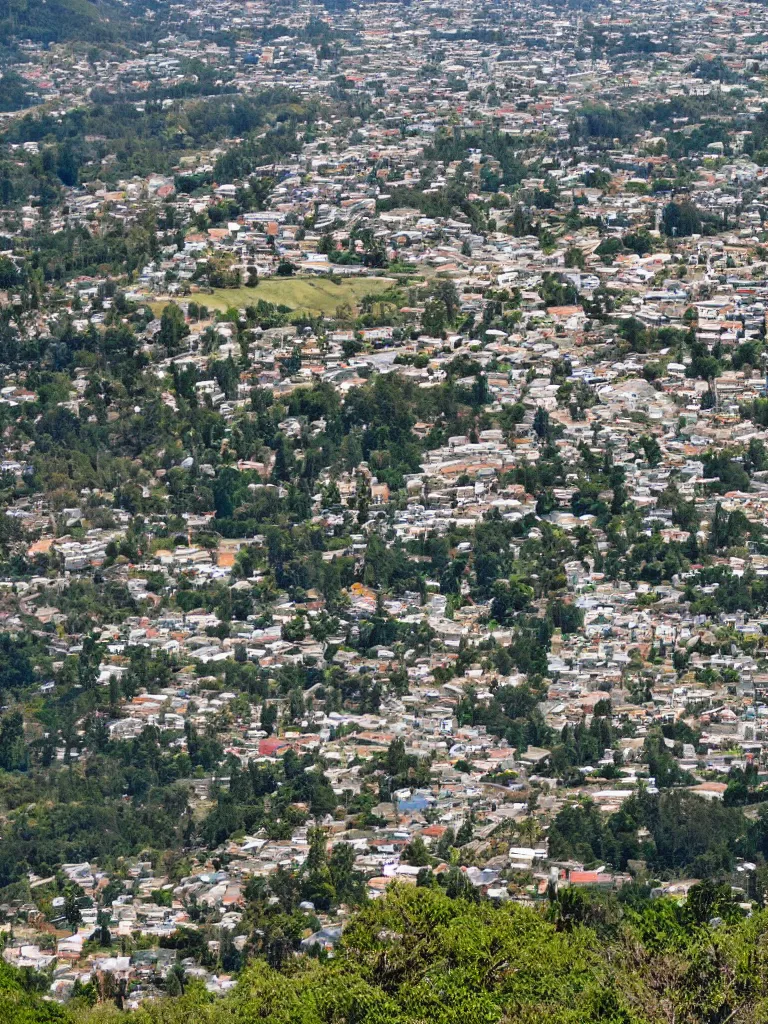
530	830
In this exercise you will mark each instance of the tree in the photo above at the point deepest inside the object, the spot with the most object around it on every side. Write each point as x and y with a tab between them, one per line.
318	885
565	616
586	957
105	936
416	853
9	277
173	329
268	718
173	986
14	755
662	765
510	597
465	833
445	291
285	460
458	886
445	844
568	908
434	317
541	422
68	168
651	449
709	899
348	884
681	219
294	630
72	895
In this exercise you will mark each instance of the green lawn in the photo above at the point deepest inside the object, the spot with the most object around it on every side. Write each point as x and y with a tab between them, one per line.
310	294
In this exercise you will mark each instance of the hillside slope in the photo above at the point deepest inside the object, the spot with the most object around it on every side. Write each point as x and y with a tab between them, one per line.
48	21
418	956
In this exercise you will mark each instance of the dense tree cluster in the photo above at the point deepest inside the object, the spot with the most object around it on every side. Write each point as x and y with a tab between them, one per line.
420	955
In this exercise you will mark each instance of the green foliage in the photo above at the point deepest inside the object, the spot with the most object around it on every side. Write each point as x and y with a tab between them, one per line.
681	219
14	92
417	955
57	20
21	1003
686	834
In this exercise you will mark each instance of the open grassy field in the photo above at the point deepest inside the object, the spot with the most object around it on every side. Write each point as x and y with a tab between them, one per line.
309	294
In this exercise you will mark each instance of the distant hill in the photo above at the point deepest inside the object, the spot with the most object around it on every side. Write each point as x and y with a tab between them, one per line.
49	21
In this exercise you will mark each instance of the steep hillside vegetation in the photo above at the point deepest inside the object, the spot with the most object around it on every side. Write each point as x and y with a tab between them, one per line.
49	21
419	955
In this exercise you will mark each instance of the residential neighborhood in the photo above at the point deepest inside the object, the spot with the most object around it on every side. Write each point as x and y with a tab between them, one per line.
384	475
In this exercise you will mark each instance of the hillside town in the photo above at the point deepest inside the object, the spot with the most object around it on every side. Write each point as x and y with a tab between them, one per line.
384	472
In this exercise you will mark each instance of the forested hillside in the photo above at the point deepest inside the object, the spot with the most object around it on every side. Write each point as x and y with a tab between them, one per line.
49	21
418	955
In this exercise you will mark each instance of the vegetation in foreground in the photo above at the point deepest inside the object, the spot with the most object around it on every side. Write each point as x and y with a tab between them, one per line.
420	955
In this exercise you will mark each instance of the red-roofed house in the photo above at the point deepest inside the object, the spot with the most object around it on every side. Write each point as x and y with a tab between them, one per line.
273	746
